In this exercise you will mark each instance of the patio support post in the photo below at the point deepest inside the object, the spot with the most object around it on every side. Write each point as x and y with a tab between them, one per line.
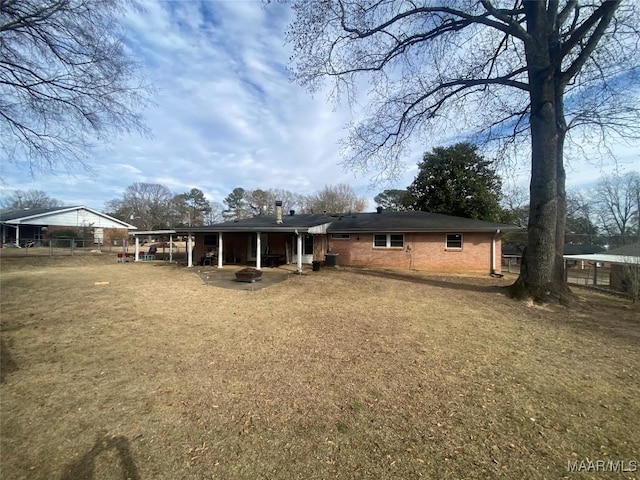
299	257
17	235
219	249
258	250
189	252
494	257
137	256
170	248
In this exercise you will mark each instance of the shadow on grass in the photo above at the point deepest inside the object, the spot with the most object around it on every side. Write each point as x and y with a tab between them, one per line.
7	363
461	283
84	467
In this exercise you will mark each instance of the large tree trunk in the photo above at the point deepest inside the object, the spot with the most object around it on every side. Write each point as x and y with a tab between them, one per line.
541	277
561	208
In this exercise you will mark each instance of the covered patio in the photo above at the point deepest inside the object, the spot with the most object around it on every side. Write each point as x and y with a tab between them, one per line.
262	241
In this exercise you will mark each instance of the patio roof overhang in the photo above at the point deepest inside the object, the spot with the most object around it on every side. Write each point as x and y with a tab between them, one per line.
154	232
314	229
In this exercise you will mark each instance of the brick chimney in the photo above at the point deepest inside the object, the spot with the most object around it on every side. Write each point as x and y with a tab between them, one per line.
278	212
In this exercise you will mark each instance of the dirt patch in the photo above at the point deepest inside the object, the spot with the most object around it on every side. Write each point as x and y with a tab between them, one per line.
334	374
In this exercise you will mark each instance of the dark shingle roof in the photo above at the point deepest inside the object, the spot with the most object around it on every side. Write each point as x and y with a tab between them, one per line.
412	222
511	250
358	222
632	250
571	249
265	223
6	215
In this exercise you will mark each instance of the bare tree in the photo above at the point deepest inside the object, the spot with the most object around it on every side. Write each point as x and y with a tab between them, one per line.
339	198
290	200
259	202
148	206
515	203
502	70
215	214
617	198
243	203
29	199
580	226
65	81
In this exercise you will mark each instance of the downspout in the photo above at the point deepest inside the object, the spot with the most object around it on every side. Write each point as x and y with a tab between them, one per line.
494	266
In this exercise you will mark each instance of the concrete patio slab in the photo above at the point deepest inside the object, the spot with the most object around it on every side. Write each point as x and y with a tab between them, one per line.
226	278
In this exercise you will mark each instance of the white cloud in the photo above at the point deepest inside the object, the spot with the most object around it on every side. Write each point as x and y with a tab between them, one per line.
226	114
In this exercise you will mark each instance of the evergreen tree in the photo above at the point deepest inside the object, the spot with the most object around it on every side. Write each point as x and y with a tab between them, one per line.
457	181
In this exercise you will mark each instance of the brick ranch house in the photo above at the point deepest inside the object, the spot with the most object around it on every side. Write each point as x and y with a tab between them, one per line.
32	226
411	240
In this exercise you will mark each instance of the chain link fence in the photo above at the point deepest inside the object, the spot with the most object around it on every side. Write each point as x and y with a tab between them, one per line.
62	246
71	246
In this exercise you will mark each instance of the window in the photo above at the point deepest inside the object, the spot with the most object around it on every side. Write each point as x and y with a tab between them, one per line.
211	240
379	240
396	241
388	240
454	241
340	236
307	245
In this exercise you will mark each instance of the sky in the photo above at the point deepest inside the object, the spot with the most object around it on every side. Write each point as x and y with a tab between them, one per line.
227	115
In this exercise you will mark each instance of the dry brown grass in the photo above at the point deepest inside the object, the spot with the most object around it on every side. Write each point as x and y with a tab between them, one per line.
335	374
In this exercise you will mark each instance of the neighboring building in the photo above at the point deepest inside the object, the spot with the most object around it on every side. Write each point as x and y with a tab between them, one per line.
577	250
412	240
512	254
626	276
624	262
31	226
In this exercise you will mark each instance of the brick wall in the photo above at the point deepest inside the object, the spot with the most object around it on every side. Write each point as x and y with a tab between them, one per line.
422	251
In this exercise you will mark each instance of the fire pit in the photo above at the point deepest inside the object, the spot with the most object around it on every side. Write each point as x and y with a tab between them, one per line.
249	275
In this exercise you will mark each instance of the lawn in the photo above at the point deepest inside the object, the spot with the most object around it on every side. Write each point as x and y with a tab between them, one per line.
346	374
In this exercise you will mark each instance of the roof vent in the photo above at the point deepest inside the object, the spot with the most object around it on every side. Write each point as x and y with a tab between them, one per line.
379	209
292	213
